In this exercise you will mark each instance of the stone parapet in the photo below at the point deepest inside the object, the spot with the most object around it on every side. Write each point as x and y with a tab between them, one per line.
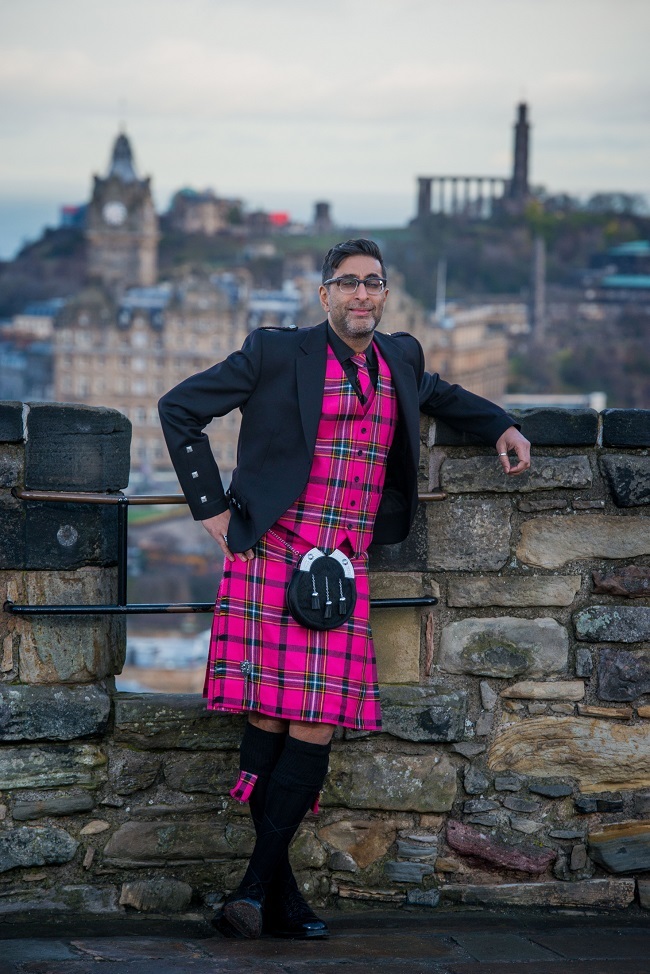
514	763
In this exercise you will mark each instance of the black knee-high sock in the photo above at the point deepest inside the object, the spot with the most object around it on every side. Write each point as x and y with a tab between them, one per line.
259	753
294	784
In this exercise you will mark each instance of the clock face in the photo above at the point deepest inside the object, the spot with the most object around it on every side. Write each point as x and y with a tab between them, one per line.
114	213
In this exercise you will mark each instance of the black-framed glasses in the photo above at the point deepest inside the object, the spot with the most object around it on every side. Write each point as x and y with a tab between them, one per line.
348	285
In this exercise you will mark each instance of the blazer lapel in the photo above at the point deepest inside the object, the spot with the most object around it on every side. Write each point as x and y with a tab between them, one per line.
406	389
311	363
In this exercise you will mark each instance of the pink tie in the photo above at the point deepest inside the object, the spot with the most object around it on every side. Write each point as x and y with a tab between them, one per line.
362	374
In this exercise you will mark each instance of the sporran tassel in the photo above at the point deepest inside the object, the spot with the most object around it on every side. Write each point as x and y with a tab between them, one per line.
342	602
328	602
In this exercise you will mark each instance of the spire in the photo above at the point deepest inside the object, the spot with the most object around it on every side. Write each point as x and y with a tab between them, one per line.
122	161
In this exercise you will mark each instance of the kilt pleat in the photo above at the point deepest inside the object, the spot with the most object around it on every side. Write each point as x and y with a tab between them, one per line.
262	660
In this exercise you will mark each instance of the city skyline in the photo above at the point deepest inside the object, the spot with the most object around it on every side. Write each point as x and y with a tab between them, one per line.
284	105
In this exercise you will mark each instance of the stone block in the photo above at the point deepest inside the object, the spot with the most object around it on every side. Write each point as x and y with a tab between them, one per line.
609	803
622	848
468	534
551	542
73	900
468	841
628	479
12	531
475	782
342	862
59	713
35	846
504	647
307	852
407	872
396	636
585	805
600	893
484	474
70	649
50	767
513	591
96	827
144	843
525	825
401	585
60	537
410	555
521	804
488	820
611	713
631	581
489	696
163	895
626	427
584	662
418	847
535	690
212	773
550	789
11	421
156	721
423	897
441	434
549	426
484	724
12	465
130	771
566	834
475	805
623	675
426	713
583	504
24	811
643	886
601	755
75	447
533	505
510	782
365	841
613	623
391	782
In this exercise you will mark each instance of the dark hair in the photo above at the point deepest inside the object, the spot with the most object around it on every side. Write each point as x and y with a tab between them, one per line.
350	248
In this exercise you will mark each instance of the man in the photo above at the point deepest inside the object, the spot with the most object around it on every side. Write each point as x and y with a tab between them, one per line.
327	458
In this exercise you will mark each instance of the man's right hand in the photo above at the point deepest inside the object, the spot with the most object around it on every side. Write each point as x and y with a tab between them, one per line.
217	528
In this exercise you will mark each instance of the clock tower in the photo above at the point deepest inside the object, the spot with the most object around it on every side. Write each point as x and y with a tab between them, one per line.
121	225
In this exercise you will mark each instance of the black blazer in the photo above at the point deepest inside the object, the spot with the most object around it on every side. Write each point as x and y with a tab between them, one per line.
277	381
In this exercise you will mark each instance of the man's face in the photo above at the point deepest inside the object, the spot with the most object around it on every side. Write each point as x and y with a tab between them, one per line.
354	317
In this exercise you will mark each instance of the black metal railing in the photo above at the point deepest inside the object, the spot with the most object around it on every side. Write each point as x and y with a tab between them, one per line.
122	606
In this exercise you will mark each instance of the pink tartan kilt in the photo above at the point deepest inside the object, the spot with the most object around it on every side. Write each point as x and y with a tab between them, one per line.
294	673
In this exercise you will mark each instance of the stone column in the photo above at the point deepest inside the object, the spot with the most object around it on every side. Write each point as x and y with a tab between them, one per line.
424	197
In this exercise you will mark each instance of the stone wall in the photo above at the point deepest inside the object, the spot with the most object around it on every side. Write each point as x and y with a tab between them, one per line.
514	766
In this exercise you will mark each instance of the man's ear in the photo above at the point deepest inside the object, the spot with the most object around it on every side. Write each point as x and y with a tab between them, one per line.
324	297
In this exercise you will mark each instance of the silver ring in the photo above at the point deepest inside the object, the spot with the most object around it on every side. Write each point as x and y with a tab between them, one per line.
503	454
225	538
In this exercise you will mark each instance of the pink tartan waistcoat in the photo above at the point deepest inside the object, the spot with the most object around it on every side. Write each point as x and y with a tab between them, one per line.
345	484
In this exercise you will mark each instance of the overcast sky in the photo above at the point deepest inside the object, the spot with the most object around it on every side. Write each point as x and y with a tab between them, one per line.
286	102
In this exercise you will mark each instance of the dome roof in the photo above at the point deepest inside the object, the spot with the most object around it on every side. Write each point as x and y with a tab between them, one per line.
122	161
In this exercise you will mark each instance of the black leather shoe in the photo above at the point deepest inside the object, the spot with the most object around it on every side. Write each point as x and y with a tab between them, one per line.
225	928
288	914
243	911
